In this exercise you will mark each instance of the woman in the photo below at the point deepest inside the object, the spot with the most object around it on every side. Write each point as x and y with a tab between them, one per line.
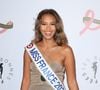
52	43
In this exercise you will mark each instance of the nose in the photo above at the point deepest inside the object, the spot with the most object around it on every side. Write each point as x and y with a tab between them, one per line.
48	28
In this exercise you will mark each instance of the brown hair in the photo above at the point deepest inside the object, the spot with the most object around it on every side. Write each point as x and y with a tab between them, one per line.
59	37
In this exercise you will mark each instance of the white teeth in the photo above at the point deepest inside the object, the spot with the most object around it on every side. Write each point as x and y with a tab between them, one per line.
48	32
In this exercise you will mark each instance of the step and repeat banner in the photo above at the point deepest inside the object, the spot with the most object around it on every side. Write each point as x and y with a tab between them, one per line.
82	27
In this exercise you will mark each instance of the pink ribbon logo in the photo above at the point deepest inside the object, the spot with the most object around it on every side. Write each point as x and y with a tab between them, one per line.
89	19
5	27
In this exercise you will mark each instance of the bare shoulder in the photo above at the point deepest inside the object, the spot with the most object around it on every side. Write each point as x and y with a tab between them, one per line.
69	56
25	53
67	49
26	56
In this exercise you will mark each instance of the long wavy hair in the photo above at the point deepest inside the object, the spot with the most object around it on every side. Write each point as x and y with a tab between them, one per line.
59	36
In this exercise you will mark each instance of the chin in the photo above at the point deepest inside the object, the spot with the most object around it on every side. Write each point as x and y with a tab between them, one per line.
48	38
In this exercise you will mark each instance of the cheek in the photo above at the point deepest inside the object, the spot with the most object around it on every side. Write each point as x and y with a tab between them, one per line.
54	29
42	28
45	28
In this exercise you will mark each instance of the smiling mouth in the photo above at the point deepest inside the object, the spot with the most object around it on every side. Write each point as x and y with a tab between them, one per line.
48	33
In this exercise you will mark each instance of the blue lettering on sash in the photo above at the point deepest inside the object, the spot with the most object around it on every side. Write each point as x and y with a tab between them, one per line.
41	64
59	86
45	70
35	54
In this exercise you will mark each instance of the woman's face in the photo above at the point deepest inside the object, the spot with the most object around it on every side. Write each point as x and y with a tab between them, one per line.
48	26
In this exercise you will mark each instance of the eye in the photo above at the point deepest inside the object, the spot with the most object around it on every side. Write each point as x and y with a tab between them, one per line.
43	23
53	24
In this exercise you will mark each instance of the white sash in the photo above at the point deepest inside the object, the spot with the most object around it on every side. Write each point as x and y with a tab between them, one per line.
44	68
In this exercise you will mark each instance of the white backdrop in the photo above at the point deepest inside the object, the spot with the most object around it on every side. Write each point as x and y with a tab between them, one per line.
83	36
